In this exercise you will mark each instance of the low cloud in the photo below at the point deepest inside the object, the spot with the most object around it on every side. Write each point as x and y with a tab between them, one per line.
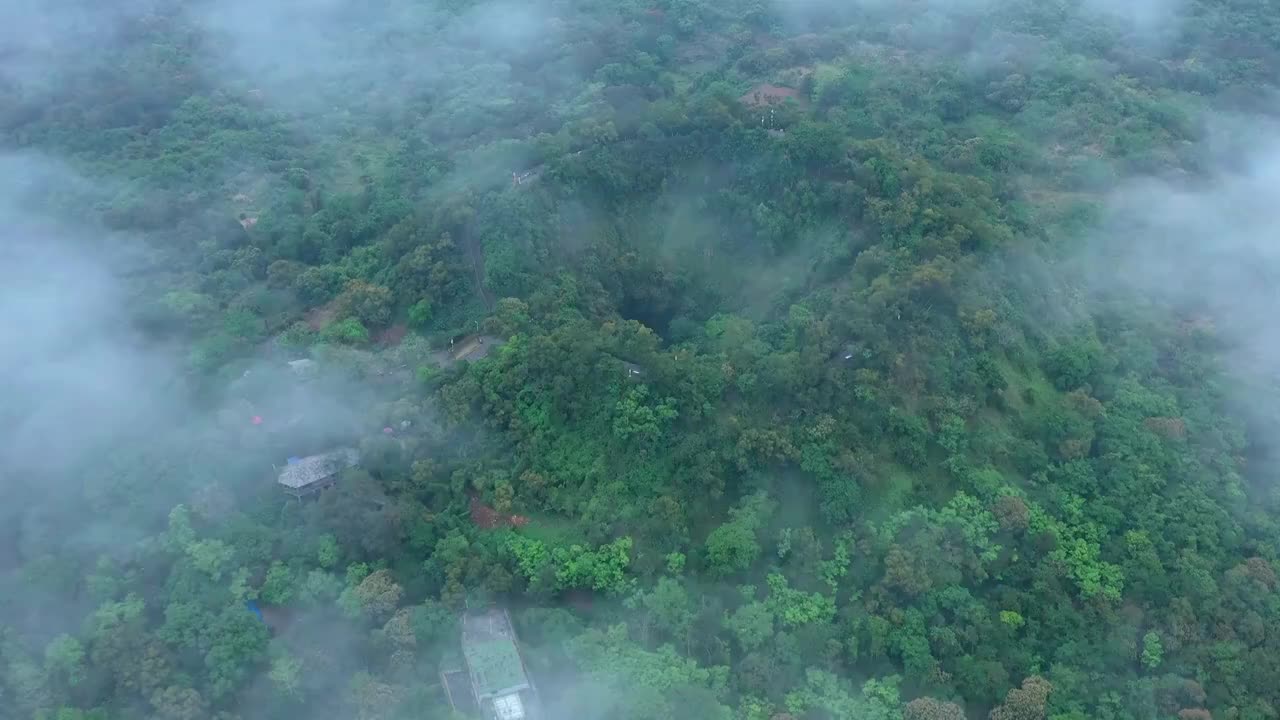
1207	244
1147	21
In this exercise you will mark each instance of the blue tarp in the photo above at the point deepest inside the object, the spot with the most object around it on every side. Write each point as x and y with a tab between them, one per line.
253	608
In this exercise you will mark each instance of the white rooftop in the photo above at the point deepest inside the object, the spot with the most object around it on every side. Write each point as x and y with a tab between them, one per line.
509	707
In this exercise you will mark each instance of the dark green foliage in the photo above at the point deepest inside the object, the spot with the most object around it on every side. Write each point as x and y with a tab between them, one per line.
785	396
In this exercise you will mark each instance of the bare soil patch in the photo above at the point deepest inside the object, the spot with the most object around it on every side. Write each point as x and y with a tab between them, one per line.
765	95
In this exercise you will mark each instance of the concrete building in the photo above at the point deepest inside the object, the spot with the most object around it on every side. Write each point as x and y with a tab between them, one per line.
495	684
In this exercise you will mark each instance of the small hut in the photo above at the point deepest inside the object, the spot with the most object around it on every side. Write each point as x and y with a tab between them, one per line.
303	476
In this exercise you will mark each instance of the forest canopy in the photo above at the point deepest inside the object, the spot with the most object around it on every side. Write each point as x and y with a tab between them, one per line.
758	359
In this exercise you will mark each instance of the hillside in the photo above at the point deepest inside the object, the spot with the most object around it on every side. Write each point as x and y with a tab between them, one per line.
764	359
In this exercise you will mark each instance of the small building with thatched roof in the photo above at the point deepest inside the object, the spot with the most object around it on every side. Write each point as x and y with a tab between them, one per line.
303	476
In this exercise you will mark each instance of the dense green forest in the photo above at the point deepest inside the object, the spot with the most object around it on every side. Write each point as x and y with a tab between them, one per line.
858	360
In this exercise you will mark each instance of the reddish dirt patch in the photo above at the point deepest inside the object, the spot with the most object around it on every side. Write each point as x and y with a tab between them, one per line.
484	516
766	94
475	251
318	318
488	518
277	618
392	335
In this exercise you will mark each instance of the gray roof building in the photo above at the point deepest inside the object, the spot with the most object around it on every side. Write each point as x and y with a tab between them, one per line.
315	472
499	685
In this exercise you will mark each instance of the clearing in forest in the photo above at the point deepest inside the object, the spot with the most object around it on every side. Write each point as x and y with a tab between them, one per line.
320	317
472	347
765	95
475	252
393	335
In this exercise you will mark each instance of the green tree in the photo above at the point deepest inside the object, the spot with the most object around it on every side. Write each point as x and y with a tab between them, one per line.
286	674
1152	650
278	587
347	332
668	609
366	302
751	624
236	642
64	658
733	546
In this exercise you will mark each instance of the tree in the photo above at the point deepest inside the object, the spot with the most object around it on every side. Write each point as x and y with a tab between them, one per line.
751	624
1012	618
733	546
64	658
366	302
794	607
623	680
602	569
1152	650
377	595
927	708
179	703
117	638
327	552
278	587
827	694
374	699
1012	513
420	314
318	285
347	332
638	417
1025	703
320	587
210	557
1071	364
286	674
668	609
236	642
433	622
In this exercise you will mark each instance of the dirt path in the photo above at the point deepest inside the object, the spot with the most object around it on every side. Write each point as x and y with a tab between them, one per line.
472	347
475	251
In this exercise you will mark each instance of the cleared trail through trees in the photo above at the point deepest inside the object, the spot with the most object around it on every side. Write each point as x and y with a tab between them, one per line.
475	251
